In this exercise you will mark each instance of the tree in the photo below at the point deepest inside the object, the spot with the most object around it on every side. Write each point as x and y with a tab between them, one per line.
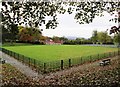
34	13
9	34
109	40
43	38
94	37
78	40
4	34
24	35
64	39
56	39
13	31
103	37
117	39
114	30
29	34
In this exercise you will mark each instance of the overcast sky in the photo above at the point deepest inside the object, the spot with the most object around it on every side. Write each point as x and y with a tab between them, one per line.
68	27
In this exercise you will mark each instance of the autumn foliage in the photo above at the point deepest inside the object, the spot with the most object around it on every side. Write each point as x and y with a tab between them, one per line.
29	34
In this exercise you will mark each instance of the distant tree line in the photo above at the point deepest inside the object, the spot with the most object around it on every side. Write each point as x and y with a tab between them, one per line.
22	34
97	38
104	38
101	38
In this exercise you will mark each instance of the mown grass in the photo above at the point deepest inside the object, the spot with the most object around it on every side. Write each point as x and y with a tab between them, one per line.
15	44
49	53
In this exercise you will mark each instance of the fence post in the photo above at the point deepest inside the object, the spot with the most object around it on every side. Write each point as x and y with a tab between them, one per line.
14	55
38	68
34	62
29	61
23	59
81	60
109	54
2	49
104	55
98	56
11	53
18	56
44	67
61	64
69	62
8	52
90	59
5	51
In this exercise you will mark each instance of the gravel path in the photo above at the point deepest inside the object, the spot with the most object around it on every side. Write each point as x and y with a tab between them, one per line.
20	66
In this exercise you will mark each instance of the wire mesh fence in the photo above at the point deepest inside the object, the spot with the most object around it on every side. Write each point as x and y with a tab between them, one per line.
47	67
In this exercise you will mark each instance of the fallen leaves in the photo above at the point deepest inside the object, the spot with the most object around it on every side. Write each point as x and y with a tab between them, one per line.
95	75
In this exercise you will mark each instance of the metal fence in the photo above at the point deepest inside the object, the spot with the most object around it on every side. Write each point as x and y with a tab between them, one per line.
47	67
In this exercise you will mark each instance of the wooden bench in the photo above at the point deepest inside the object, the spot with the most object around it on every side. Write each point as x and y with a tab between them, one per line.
105	62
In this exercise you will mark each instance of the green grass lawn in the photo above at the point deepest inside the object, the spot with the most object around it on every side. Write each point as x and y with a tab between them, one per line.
47	53
15	44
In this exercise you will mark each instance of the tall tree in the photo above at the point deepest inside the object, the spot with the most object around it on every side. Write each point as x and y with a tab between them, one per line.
103	37
64	39
9	34
56	39
117	39
34	13
78	40
29	34
94	37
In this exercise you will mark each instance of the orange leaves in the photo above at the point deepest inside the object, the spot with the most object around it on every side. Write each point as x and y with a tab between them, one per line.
29	34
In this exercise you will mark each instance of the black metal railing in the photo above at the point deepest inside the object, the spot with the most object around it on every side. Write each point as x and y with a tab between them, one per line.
47	67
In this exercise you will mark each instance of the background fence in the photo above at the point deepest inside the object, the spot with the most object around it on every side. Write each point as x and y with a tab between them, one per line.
47	67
